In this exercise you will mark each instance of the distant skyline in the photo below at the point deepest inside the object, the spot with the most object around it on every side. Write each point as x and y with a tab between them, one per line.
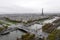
29	6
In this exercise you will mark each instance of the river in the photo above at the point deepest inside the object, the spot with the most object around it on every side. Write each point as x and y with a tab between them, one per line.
12	36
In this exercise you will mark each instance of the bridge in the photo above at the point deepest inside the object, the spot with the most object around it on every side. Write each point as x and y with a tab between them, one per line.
25	29
28	30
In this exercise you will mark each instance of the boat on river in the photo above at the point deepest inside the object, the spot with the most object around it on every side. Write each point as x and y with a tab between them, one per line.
5	33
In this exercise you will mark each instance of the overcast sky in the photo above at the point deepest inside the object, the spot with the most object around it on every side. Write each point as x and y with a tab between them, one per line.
29	6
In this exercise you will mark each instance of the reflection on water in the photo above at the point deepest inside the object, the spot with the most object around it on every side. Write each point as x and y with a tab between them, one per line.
12	36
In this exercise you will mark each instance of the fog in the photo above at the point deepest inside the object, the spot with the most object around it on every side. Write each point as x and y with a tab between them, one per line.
29	6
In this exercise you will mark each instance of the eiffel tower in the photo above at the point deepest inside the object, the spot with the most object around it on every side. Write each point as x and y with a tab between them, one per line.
42	12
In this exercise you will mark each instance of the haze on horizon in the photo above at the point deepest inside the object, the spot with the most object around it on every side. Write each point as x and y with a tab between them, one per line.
29	6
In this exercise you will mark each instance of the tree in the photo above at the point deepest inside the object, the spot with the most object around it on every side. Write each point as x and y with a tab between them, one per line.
28	36
47	27
1	29
54	35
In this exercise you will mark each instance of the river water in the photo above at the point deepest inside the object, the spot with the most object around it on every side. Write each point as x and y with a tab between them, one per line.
12	36
36	28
